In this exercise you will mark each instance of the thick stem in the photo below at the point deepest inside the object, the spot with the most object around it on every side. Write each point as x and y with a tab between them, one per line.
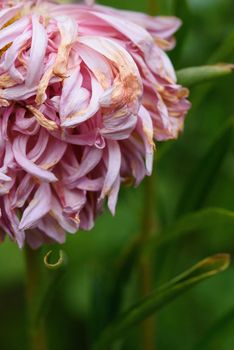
148	228
146	264
36	330
152	7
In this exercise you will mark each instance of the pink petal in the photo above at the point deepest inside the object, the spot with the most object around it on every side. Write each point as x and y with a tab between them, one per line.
37	53
52	229
16	231
113	196
83	115
88	163
74	98
19	150
11	32
113	167
8	13
23	192
39	206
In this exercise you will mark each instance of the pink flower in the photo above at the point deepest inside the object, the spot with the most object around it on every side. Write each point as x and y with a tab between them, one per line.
84	90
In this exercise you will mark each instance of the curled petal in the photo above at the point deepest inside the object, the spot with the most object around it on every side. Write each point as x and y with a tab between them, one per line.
12	223
146	130
83	115
51	228
11	32
8	13
37	53
74	98
19	150
112	175
137	34
68	31
128	87
88	163
113	196
39	206
23	192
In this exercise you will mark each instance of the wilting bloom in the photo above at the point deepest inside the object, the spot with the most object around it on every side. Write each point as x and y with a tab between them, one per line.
84	91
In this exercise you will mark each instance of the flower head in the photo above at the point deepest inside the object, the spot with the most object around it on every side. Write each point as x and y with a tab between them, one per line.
84	91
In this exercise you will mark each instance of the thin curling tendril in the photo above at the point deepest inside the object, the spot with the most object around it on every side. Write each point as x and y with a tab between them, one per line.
57	264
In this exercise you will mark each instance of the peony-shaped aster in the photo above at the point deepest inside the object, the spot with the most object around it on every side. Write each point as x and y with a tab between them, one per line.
84	92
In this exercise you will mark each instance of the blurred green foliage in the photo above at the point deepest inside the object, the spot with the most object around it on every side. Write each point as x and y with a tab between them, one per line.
83	303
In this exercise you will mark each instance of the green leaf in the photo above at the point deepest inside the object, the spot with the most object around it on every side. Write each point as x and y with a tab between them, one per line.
208	219
197	75
204	175
205	219
162	296
211	335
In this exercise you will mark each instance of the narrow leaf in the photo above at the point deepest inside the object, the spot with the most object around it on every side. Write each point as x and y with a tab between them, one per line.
197	75
162	296
207	219
204	175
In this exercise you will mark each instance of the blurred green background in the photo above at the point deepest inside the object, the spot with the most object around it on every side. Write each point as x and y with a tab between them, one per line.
82	303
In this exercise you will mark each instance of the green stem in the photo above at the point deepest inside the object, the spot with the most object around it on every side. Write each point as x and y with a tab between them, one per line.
152	7
36	330
146	265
